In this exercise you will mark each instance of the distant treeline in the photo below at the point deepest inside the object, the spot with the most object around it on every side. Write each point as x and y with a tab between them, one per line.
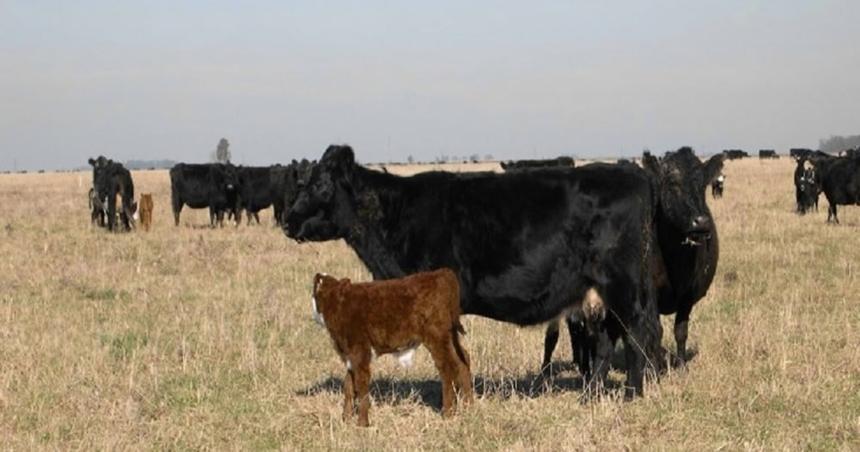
838	143
149	164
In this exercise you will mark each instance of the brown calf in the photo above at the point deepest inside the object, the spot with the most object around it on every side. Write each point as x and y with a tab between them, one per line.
146	210
394	316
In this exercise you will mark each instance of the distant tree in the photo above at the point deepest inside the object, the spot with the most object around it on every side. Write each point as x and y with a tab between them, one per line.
222	152
410	159
837	143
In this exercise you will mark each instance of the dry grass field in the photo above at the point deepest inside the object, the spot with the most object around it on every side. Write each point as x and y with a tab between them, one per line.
191	338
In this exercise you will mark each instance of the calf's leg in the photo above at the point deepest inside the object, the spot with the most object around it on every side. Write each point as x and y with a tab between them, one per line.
445	359
362	390
348	394
464	374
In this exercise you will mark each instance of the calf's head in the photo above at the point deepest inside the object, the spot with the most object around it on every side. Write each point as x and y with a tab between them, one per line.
681	179
324	207
323	286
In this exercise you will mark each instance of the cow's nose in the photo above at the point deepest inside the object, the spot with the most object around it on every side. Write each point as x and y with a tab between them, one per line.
701	222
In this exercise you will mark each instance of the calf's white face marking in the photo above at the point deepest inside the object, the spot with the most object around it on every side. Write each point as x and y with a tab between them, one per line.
317	316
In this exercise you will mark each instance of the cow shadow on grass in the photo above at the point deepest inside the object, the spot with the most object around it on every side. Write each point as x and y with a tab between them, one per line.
391	391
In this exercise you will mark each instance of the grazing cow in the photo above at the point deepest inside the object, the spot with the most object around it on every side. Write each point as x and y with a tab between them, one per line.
767	154
839	179
394	316
112	184
255	190
518	165
686	260
146	207
212	185
717	186
528	246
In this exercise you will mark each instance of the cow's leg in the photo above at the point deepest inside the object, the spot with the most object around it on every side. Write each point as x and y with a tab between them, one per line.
549	342
257	217
111	213
642	346
212	214
177	207
583	348
601	345
348	394
682	319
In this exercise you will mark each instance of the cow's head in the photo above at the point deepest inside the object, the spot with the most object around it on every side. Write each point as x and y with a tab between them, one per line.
324	207
681	181
231	177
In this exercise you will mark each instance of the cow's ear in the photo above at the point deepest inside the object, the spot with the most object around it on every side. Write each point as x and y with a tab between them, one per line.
91	162
340	159
713	167
650	163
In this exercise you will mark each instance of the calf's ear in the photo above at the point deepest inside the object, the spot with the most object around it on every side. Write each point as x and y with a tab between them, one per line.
713	167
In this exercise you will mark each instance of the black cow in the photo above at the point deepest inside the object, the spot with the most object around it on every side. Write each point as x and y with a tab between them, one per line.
734	154
518	165
806	186
839	179
527	246
212	185
686	261
767	154
255	189
718	185
111	180
285	185
798	153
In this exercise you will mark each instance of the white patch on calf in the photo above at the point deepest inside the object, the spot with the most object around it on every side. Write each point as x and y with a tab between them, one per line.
348	365
406	357
318	317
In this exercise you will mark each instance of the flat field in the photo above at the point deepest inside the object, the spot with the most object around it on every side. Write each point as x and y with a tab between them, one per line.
192	338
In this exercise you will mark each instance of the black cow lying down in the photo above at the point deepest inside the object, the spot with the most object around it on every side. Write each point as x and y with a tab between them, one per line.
112	182
527	247
684	264
212	185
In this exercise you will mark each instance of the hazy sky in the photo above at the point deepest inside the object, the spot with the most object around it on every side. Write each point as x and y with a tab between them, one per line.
282	80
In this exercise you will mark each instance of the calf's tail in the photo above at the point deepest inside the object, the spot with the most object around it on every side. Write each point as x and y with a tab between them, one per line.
456	330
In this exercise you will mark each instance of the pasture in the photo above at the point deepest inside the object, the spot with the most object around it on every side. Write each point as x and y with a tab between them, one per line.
192	338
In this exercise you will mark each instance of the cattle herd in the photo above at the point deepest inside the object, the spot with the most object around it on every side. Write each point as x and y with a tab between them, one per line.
605	247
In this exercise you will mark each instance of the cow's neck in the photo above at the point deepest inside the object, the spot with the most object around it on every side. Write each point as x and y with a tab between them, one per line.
369	236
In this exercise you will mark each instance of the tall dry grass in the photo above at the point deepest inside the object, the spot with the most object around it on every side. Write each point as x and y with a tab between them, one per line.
190	338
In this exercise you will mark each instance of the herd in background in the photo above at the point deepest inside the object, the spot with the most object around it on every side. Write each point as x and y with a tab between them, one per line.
223	188
607	248
838	177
